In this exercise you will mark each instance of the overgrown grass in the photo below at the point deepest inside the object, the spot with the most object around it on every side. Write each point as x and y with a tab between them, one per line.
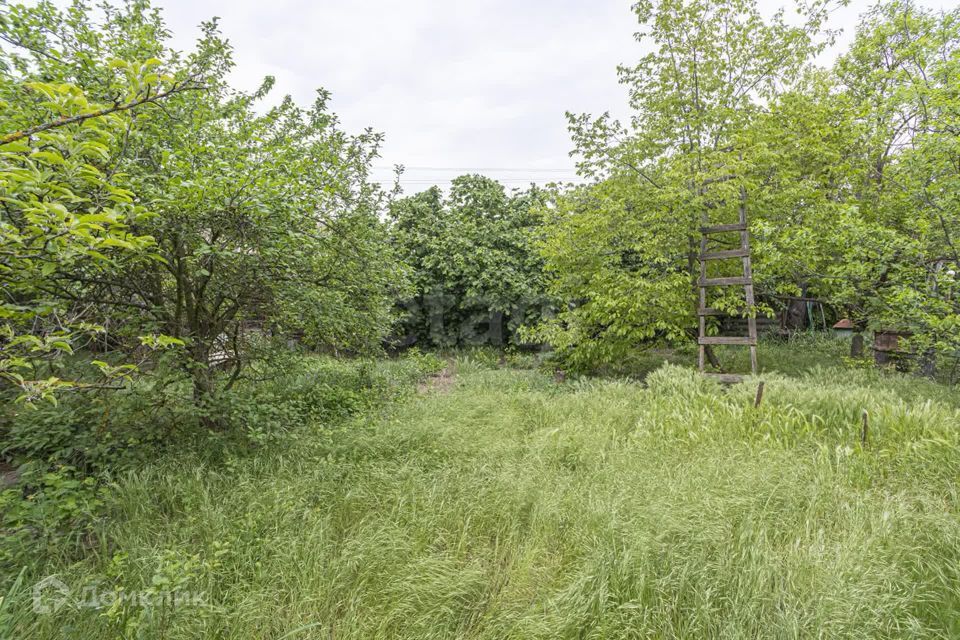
791	356
515	507
68	456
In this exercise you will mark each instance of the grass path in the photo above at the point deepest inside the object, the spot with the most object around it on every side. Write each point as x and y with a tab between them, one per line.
503	505
442	381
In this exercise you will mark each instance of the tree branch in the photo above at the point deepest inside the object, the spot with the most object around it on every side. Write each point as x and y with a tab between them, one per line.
63	121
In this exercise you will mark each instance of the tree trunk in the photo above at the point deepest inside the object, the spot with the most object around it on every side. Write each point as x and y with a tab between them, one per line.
711	356
495	332
928	363
707	349
203	384
796	315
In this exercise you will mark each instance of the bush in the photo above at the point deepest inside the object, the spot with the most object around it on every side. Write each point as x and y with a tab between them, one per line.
48	510
67	453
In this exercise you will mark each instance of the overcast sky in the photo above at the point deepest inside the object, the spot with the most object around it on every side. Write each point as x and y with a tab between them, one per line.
456	86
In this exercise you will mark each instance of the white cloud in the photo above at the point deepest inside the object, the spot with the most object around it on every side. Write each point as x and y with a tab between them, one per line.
452	83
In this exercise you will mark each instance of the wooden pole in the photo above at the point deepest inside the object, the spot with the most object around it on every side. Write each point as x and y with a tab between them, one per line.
748	275
759	398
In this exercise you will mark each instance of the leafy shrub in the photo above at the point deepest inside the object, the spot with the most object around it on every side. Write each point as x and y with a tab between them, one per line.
48	509
109	430
317	392
66	452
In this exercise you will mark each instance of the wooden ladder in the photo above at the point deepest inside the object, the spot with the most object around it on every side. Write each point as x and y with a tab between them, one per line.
745	281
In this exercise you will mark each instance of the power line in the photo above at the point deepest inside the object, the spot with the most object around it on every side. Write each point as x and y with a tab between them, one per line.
477	169
442	181
447	180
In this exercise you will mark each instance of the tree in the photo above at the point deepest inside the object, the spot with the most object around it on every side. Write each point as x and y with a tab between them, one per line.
262	224
848	175
909	58
860	160
476	275
686	154
66	208
266	220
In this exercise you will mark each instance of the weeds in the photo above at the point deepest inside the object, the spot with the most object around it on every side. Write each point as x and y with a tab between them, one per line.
515	507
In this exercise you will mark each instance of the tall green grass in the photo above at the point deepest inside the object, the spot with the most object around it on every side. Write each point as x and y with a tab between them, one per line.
511	506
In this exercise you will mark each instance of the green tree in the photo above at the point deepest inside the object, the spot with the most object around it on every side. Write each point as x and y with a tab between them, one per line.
859	175
848	174
66	210
263	223
904	68
476	274
686	154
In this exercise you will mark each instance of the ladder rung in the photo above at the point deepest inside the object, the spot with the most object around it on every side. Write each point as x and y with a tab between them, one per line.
711	312
732	253
728	340
725	282
721	228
